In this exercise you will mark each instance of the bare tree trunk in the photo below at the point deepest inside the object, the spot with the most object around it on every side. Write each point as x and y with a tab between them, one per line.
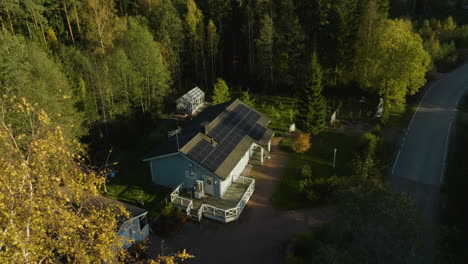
42	31
11	23
204	64
179	74
68	22
29	30
212	60
196	61
103	103
76	18
3	25
150	91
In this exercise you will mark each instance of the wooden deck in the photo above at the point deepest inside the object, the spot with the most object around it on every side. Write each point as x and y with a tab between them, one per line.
229	200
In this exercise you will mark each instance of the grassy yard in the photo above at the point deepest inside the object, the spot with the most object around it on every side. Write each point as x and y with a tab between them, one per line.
280	109
126	146
320	159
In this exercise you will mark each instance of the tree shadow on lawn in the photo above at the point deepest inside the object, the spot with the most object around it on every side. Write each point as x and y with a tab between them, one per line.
320	158
124	148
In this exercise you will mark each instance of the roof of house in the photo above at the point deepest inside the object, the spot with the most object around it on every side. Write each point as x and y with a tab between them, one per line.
89	201
188	131
102	202
229	131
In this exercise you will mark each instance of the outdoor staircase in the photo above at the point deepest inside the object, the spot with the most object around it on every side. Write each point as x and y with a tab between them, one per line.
193	215
256	157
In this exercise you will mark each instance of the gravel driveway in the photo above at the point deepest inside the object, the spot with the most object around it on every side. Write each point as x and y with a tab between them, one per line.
258	236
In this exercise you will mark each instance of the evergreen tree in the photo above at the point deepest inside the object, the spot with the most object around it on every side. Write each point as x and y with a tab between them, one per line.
264	45
312	112
221	92
288	42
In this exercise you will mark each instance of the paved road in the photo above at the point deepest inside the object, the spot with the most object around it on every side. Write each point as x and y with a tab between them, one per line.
258	236
420	163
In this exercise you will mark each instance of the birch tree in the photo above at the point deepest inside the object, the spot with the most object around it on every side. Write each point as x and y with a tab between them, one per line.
212	41
152	76
47	216
195	31
101	23
395	63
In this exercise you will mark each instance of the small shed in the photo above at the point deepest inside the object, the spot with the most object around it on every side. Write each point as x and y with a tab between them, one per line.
190	102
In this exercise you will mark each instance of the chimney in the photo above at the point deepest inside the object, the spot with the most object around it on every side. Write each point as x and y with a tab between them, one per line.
213	142
204	127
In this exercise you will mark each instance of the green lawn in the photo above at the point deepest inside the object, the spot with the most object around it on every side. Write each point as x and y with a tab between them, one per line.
279	109
130	143
320	158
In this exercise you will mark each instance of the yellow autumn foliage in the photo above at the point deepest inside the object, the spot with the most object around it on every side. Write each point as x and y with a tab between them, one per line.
45	215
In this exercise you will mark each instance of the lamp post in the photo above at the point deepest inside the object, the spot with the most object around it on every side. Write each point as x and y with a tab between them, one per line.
334	157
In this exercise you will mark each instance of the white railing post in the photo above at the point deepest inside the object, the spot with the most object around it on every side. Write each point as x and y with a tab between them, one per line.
225	214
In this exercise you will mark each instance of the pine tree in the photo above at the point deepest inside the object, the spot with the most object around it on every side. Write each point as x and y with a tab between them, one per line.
312	112
289	44
264	52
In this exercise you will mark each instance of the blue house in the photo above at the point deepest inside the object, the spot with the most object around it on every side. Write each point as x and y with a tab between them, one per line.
203	162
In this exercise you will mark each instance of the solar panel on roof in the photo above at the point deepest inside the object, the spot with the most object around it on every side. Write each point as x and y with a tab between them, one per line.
228	133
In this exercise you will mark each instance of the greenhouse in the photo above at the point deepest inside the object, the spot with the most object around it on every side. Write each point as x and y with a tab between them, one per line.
190	102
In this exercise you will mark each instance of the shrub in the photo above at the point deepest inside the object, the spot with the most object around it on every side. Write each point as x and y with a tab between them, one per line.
300	142
305	171
171	221
247	98
377	130
372	141
168	210
319	189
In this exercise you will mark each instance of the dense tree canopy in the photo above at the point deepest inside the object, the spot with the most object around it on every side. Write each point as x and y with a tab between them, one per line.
27	71
90	64
393	41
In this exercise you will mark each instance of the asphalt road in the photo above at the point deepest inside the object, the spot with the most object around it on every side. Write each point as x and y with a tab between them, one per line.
420	163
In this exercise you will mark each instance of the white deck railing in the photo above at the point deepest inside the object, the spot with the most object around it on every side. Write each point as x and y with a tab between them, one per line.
223	215
228	215
180	201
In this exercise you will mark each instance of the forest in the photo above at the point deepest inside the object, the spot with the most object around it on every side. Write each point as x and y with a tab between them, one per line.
117	59
70	70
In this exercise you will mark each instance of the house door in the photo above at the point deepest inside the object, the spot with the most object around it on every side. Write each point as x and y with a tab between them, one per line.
209	185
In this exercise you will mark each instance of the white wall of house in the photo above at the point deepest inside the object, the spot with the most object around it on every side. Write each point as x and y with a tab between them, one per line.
236	171
225	184
251	149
